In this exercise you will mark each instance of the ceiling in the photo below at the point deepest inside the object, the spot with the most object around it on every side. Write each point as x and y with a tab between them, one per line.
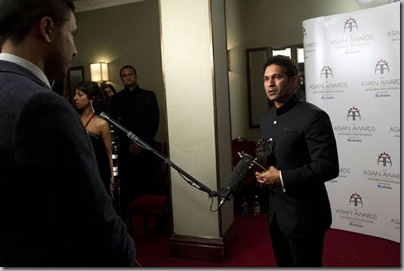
85	5
374	3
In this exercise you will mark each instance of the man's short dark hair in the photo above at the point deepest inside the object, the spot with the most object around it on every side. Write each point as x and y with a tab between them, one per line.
289	65
17	17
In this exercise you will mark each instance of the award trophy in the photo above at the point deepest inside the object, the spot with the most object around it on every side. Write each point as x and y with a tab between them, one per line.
263	151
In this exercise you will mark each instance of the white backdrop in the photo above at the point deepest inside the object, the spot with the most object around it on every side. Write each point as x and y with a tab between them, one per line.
352	71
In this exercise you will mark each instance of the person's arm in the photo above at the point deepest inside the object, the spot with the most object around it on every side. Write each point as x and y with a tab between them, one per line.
51	146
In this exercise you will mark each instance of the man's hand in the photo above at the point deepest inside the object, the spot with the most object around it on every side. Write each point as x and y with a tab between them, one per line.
270	177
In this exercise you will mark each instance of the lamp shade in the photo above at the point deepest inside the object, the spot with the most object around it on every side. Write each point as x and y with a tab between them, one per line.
99	71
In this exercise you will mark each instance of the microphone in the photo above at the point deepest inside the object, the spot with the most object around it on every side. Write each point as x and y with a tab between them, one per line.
240	173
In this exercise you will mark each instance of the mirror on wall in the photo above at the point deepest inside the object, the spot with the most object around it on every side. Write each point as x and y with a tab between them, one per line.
75	75
257	99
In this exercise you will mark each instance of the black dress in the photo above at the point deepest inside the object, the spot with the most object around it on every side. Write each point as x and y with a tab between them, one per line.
102	159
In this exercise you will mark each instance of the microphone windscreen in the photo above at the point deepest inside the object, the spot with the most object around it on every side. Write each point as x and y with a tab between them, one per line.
240	173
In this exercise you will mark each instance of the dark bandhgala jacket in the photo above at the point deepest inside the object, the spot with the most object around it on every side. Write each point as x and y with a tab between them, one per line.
54	209
305	150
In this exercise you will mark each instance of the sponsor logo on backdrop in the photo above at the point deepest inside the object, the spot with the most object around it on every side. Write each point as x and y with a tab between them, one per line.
327	88
395	131
385	186
354	113
353	130
343	173
382	66
396	222
354	213
356	200
384	159
381	84
326	72
350	25
309	46
385	176
350	40
394	34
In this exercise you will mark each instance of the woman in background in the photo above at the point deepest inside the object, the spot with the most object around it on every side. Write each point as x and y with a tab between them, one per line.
109	89
90	102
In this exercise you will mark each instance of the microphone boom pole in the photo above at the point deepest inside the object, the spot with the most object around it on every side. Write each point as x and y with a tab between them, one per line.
191	180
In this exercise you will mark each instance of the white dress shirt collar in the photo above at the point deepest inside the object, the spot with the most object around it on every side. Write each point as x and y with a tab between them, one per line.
26	64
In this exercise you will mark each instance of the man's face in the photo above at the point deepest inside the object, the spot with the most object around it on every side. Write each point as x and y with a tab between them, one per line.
128	77
62	50
278	86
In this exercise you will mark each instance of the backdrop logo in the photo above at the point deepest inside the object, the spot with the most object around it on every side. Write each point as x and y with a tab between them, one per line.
383	176
395	131
352	40
310	46
356	216
383	85
356	200
350	25
396	222
343	173
353	130
394	34
328	86
353	113
384	159
381	67
326	72
384	186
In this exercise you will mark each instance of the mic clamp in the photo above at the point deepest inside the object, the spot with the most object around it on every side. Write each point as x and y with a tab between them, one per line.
253	162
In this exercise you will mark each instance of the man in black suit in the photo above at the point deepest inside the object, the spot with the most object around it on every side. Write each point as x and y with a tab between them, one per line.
136	109
304	156
54	209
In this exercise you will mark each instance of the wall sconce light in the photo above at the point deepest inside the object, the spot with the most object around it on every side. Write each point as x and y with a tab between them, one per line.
99	72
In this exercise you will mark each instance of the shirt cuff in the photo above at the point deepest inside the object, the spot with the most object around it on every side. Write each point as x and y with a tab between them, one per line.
281	181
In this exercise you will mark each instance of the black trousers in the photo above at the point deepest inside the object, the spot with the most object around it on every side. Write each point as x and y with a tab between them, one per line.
137	176
304	251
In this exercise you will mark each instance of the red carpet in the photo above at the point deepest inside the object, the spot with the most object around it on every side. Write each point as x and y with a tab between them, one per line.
253	248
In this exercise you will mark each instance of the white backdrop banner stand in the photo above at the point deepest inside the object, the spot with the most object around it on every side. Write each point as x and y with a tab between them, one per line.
352	71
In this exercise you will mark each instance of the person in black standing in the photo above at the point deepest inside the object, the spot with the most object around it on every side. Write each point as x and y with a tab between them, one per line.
137	110
304	156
